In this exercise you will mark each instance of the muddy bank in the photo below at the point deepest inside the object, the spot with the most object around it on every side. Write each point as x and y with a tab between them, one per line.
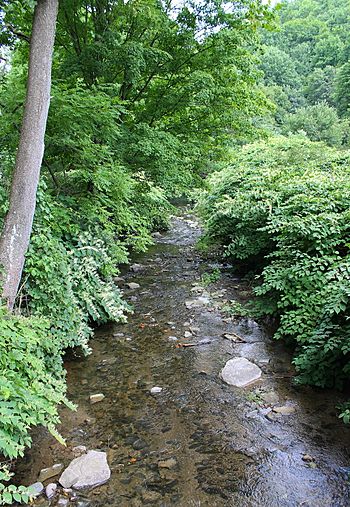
222	446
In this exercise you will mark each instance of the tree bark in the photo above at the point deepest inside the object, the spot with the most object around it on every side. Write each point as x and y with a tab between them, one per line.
18	222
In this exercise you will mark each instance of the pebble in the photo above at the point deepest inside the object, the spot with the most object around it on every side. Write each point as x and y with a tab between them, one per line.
307	458
62	501
95	398
133	285
136	267
188	334
172	338
156	390
168	463
50	490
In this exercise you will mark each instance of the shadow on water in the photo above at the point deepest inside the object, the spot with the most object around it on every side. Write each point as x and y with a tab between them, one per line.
225	445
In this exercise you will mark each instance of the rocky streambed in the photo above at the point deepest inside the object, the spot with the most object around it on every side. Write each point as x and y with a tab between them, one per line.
171	423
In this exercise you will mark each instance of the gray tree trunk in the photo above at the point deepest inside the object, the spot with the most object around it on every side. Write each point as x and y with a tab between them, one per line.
18	223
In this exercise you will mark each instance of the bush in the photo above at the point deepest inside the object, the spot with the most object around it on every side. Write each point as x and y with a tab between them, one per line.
287	201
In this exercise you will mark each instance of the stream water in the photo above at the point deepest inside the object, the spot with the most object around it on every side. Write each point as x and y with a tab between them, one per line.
225	445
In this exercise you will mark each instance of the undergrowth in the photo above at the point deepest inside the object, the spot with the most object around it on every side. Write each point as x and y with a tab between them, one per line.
287	201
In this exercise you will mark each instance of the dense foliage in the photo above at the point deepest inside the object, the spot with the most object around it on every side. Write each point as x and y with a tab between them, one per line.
287	202
144	94
306	69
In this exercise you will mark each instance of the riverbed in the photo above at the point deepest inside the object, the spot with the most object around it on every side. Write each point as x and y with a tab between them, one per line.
221	445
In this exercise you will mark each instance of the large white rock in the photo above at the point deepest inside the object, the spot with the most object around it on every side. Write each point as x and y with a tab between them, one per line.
240	372
87	471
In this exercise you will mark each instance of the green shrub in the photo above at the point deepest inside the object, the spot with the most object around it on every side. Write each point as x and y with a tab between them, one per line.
31	380
288	201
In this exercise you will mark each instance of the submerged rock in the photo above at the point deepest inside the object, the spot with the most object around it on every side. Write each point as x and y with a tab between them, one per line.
36	489
156	390
284	410
95	398
240	372
133	285
168	463
47	473
87	471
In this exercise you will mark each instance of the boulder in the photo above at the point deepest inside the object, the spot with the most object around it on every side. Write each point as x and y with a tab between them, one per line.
240	372
87	471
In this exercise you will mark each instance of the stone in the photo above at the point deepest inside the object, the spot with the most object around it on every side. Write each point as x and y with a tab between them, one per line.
240	372
168	463
197	303
139	444
133	285
79	450
35	489
136	267
47	473
285	410
270	397
273	416
307	458
172	338
87	471
188	334
95	398
62	501
156	390
50	490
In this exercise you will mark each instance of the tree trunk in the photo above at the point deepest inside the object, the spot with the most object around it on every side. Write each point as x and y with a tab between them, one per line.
18	223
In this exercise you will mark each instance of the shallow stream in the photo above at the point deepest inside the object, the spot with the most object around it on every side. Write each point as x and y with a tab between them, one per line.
225	445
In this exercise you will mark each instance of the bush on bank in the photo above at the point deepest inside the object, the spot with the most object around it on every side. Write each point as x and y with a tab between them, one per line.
286	202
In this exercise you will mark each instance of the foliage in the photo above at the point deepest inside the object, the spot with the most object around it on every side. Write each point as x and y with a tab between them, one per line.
31	380
308	59
212	277
320	122
11	493
288	201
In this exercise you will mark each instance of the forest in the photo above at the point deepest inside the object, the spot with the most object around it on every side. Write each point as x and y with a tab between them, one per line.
241	107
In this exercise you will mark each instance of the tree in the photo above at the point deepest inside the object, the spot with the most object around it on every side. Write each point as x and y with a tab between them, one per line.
320	122
18	222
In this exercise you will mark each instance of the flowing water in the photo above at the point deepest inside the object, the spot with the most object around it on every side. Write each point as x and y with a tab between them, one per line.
225	445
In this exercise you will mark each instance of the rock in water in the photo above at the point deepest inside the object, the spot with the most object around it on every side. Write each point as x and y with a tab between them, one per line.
133	285
47	473
50	490
156	390
240	372
87	471
36	489
95	398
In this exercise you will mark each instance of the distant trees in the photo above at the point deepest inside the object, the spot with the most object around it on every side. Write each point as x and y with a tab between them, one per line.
309	60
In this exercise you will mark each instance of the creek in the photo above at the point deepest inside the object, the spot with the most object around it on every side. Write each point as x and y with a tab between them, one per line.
221	445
